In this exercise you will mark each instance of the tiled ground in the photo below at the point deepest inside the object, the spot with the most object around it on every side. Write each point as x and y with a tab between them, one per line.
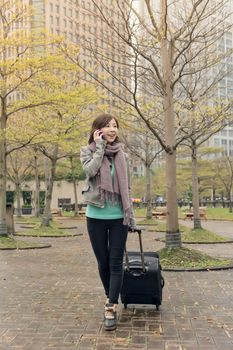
52	299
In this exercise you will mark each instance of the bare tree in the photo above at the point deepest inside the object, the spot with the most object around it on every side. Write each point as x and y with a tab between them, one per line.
142	145
225	174
206	121
160	47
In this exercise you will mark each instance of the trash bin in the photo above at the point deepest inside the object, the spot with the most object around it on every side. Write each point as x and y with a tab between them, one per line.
10	218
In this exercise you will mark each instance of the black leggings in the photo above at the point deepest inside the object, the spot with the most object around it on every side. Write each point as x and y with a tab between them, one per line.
108	239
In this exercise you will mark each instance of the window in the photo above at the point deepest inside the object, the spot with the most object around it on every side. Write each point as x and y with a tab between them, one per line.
62	201
224	133
224	142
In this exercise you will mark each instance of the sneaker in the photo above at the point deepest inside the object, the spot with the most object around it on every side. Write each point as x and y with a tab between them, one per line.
110	317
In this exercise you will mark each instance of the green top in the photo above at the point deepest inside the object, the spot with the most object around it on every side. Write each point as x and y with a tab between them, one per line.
110	211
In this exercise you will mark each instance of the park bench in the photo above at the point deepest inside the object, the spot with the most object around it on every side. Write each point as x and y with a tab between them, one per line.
202	212
159	212
56	212
82	212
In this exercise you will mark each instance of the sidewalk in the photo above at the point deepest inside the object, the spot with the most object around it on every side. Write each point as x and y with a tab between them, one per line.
52	299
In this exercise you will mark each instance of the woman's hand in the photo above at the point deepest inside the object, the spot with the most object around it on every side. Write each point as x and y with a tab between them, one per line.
98	135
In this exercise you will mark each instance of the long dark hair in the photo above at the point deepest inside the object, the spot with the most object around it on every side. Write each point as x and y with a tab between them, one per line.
100	122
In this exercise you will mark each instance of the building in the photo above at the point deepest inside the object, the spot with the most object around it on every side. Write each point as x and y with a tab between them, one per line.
224	138
224	45
63	193
78	21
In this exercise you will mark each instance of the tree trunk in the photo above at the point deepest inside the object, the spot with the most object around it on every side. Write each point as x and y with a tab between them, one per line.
50	173
230	207
3	227
213	196
195	188
230	202
75	188
148	193
173	237
37	188
18	197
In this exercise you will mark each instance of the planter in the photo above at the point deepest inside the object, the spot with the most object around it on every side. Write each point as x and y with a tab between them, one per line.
26	211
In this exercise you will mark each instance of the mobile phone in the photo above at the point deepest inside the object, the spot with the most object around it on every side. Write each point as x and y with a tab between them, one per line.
102	135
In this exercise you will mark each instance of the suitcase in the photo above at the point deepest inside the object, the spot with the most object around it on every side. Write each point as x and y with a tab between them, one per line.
143	281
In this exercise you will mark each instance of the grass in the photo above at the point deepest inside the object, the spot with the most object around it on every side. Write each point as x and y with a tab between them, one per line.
219	213
7	242
68	214
27	219
184	258
187	234
51	231
54	230
140	212
198	235
201	235
212	213
147	222
157	225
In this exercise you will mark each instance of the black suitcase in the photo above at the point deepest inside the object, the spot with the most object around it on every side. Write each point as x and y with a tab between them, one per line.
143	281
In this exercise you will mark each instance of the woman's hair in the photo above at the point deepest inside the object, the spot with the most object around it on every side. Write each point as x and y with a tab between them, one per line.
100	122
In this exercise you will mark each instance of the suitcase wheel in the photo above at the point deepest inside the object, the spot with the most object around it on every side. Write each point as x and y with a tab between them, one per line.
157	307
125	306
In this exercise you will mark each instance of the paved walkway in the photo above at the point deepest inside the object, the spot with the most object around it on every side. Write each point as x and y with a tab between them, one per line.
52	299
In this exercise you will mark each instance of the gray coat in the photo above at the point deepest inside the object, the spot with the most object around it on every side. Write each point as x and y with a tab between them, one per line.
91	162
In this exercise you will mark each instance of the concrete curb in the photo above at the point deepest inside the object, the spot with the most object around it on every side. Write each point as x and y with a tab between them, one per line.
207	269
26	248
48	236
190	242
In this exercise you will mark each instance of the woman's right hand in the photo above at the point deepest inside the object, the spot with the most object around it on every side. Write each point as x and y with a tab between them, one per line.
98	135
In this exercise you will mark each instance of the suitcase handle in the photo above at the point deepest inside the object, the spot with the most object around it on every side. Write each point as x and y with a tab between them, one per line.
139	231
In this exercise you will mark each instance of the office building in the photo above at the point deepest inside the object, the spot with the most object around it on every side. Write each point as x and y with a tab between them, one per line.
79	22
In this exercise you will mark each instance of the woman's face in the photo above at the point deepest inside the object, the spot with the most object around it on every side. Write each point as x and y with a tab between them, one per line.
110	131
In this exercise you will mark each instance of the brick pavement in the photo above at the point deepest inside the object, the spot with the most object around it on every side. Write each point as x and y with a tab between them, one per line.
52	299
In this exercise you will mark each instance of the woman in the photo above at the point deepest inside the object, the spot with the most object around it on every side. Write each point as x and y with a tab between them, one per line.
109	208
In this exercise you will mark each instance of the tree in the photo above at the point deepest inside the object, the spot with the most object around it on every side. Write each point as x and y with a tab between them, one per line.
61	126
162	45
23	63
225	174
36	164
71	170
19	167
207	179
205	122
142	145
